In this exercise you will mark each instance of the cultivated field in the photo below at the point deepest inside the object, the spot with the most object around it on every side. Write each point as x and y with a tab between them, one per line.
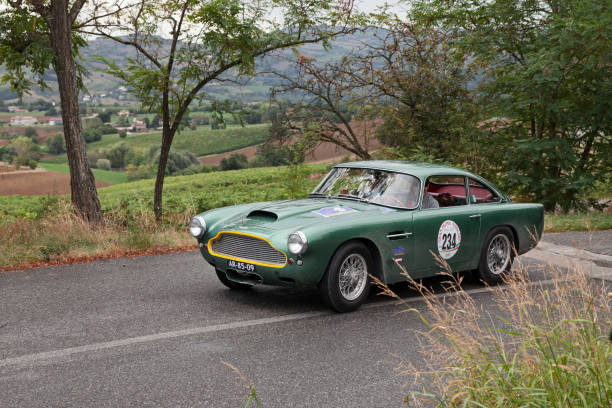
200	142
325	152
35	182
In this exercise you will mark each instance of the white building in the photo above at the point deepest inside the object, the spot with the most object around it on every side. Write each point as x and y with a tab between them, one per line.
23	121
139	125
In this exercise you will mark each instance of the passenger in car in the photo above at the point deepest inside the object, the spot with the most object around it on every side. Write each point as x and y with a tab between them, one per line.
428	200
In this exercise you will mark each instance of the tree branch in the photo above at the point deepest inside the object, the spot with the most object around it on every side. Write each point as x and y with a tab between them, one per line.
76	9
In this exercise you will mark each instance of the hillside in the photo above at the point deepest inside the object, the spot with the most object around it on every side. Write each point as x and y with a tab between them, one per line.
106	89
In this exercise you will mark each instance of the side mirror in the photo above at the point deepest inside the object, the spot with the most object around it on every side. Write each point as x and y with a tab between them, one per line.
473	199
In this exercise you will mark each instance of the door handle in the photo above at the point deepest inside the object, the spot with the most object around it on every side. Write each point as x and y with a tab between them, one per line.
399	235
475	216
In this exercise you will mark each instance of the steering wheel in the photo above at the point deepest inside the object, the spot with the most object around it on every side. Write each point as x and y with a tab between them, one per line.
396	200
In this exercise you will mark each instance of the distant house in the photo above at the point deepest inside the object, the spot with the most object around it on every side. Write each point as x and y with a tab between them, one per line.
124	113
54	121
16	109
23	121
139	125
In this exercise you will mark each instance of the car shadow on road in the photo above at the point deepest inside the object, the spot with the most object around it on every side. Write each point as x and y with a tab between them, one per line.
299	299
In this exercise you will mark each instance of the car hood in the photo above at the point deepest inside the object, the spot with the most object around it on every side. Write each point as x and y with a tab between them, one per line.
295	214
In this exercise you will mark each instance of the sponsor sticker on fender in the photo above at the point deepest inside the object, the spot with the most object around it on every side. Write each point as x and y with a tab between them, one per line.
449	239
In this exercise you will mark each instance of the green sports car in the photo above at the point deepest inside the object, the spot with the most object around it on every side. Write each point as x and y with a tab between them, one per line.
366	218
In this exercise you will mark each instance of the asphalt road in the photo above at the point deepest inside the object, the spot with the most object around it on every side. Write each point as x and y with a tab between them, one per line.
155	331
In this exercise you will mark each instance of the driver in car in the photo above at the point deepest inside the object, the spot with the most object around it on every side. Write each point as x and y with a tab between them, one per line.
428	200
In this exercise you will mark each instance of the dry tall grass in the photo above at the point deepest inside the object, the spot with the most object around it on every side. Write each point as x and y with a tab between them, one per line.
62	236
534	345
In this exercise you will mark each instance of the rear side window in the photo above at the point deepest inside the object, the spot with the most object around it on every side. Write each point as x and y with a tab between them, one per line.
447	191
479	193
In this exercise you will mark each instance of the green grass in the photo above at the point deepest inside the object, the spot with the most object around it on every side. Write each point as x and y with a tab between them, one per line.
183	195
201	142
594	220
112	177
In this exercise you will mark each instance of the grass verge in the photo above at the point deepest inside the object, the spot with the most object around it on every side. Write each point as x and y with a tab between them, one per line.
590	221
531	345
43	229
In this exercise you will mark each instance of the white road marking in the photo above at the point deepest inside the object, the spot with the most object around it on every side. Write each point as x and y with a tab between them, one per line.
66	352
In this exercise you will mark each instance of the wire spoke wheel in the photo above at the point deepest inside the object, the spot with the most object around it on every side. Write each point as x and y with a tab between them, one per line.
353	276
498	254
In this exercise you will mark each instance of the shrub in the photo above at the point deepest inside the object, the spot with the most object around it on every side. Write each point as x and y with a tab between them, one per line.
269	154
144	171
31	133
107	129
105	115
177	160
117	154
540	346
26	151
56	144
123	134
92	135
103	164
235	161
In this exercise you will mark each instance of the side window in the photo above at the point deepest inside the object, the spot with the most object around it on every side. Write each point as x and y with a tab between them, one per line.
444	191
479	193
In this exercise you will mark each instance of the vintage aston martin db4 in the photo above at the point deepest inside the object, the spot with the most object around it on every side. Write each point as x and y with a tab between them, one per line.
366	218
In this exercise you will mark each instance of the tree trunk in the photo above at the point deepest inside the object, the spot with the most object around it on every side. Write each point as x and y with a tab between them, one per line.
161	172
84	196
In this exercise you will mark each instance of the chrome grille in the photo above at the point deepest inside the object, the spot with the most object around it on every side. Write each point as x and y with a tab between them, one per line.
247	248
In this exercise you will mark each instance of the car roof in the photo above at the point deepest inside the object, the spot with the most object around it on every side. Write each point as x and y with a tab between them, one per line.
418	169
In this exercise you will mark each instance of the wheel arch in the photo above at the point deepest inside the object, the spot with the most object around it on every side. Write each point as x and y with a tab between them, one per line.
371	246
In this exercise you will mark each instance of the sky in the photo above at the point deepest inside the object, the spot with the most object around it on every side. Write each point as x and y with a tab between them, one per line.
371	5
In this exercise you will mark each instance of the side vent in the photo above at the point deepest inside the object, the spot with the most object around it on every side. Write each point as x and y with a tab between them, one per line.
262	215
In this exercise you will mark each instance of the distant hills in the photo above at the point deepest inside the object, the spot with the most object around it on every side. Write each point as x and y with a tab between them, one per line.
107	89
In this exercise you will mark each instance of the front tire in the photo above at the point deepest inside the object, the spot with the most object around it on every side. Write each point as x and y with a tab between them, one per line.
346	284
230	283
496	256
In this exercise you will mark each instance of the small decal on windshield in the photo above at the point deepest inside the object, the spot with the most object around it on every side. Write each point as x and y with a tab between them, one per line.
333	211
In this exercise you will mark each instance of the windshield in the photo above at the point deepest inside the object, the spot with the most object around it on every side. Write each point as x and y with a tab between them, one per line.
376	186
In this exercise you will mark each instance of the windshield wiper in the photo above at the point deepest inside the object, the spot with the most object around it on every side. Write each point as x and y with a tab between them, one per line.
318	195
351	197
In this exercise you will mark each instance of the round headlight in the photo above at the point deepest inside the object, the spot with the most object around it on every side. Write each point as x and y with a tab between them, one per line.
297	243
197	226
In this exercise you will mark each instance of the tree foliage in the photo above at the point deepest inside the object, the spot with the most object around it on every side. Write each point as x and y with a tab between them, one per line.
184	46
38	36
406	85
547	71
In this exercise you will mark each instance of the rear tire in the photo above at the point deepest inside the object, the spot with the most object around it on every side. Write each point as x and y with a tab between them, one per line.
496	255
230	283
346	284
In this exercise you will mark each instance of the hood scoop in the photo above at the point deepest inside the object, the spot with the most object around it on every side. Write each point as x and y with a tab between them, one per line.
262	215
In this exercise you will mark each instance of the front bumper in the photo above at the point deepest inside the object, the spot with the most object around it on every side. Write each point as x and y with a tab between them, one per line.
291	274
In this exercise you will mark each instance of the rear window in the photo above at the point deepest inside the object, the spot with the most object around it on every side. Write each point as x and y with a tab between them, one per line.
479	193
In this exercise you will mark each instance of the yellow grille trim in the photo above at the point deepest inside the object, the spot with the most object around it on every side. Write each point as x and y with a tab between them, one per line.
234	258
